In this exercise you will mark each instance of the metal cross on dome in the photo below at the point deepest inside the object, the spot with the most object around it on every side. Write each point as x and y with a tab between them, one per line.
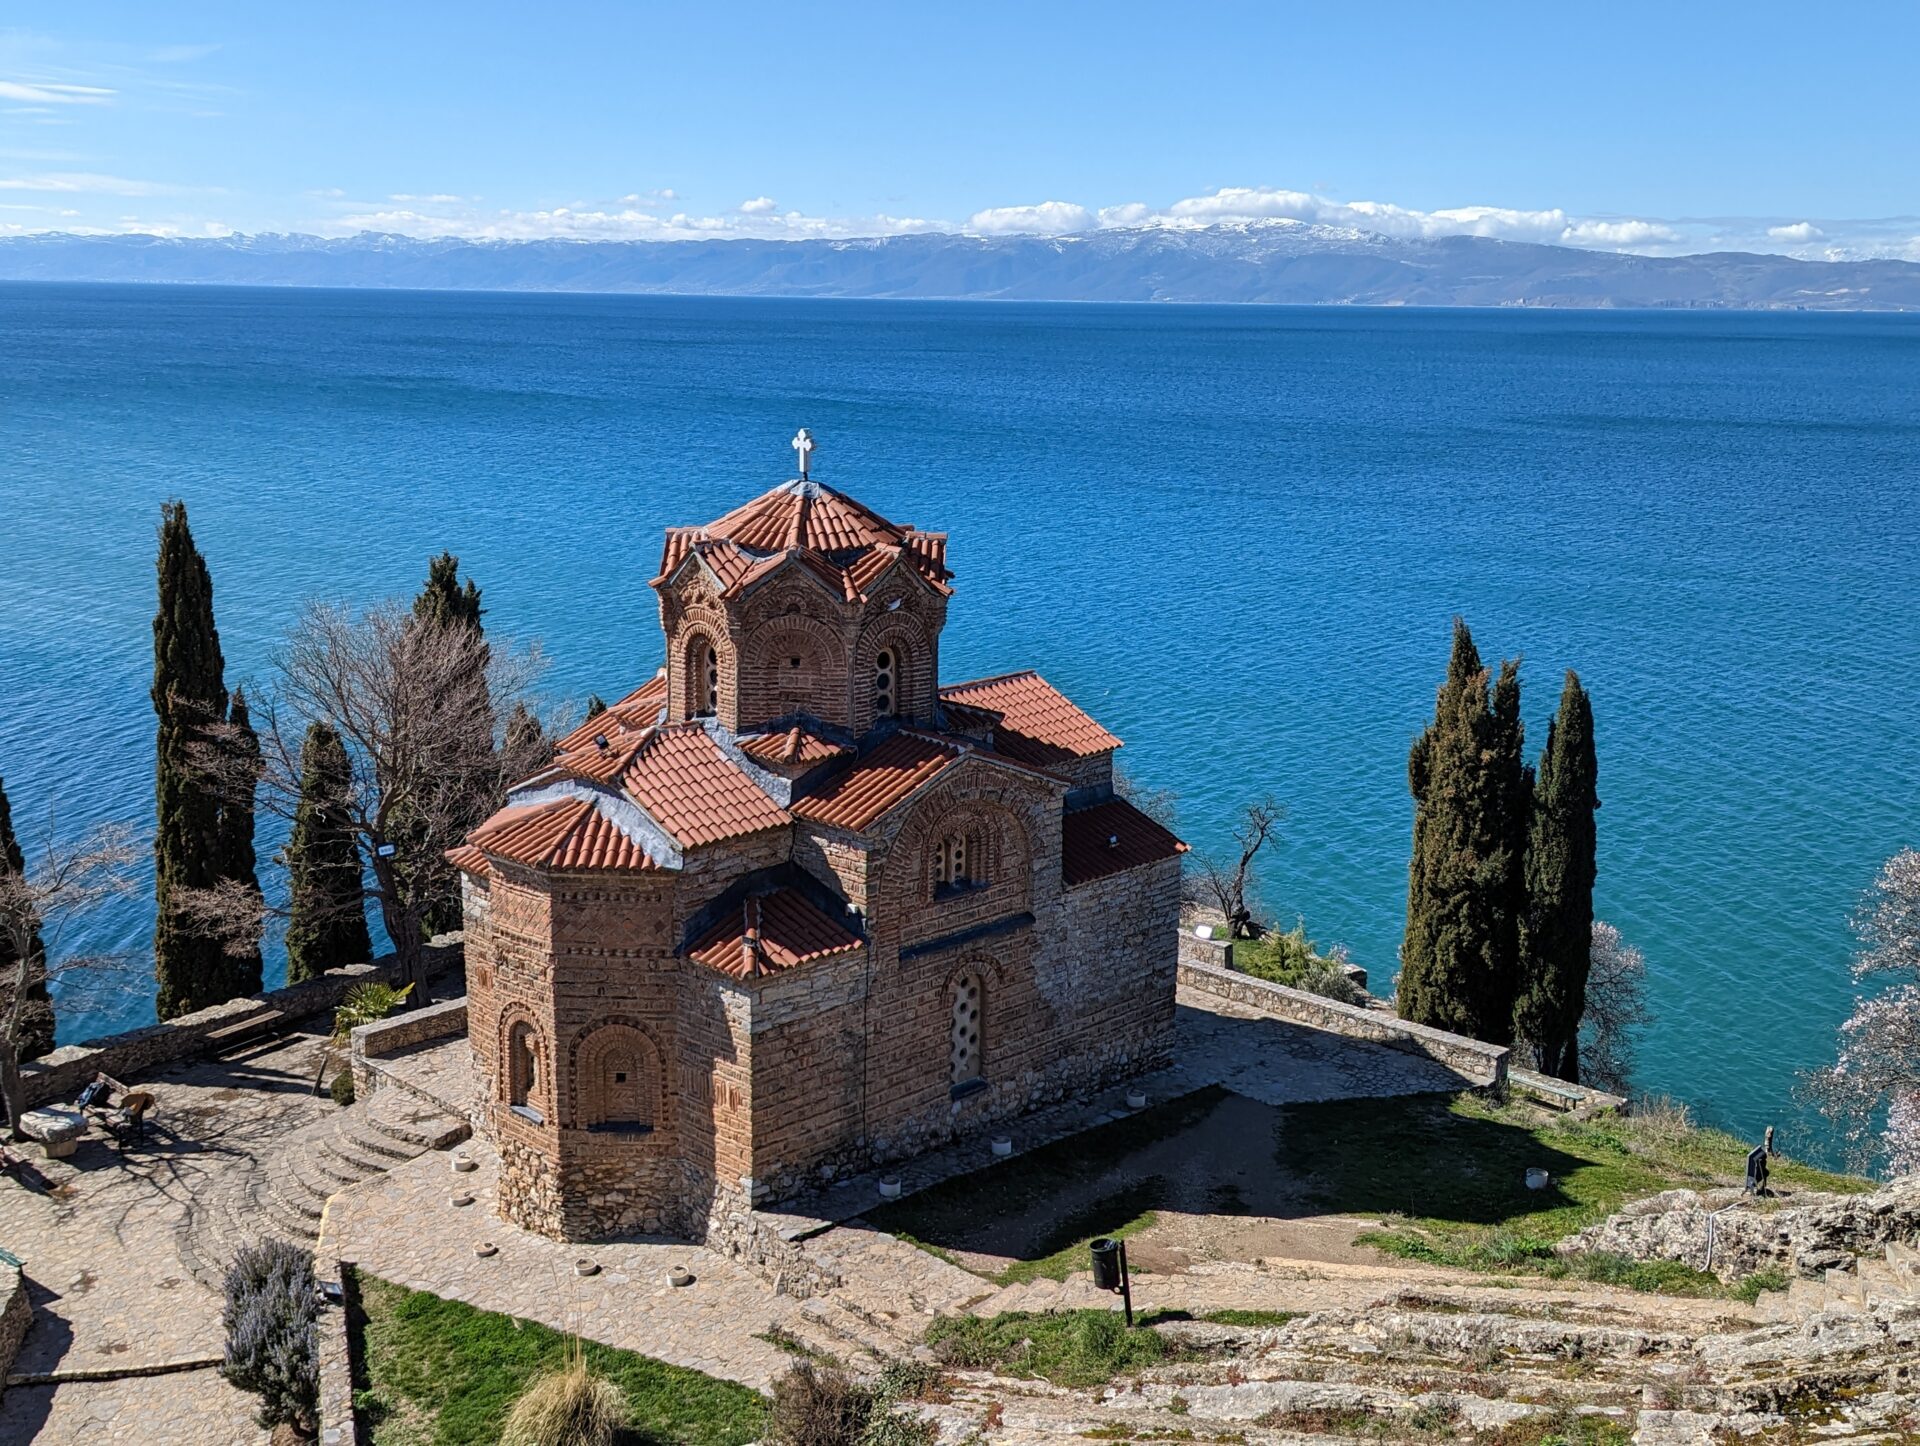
803	444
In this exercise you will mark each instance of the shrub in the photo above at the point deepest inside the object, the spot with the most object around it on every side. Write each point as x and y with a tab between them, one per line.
342	1088
569	1406
271	1306
819	1406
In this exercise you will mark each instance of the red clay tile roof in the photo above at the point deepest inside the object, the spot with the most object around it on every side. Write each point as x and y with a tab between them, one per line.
565	835
847	544
874	784
639	709
693	790
786	928
1039	724
1111	837
470	860
792	745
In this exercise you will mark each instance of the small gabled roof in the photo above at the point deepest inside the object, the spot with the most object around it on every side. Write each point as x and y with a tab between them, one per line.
564	835
1110	838
792	745
693	790
883	778
1039	724
770	932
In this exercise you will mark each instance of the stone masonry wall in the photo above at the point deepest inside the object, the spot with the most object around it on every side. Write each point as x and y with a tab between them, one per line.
62	1074
1482	1063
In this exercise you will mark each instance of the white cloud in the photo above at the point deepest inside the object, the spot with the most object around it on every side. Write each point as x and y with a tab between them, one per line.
1049	218
1553	227
1131	213
440	198
85	183
1798	233
759	206
47	93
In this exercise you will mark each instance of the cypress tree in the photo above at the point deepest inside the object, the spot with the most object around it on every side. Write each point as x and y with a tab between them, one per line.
1556	932
445	601
189	699
238	860
596	705
327	927
34	1035
1458	957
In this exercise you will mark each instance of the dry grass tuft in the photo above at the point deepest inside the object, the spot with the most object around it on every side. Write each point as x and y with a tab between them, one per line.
566	1407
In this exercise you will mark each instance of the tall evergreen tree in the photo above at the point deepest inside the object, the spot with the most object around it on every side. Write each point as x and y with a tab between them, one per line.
447	602
238	861
1556	933
327	927
1458	957
190	700
596	705
35	1029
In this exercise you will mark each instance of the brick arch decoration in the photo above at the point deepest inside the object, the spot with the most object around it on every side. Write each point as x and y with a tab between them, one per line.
515	1022
595	1100
912	644
689	686
768	689
1004	852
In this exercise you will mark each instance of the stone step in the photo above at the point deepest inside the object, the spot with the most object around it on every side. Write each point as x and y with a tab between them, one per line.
854	1330
1843	1286
354	1134
1904	1261
1878	1280
405	1118
1805	1297
829	1345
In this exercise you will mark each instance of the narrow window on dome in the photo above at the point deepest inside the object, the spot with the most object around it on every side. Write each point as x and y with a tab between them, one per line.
883	679
706	680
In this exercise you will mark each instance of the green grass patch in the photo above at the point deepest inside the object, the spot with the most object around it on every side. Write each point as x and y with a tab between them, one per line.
1076	1348
965	1208
1448	1173
1251	1318
441	1373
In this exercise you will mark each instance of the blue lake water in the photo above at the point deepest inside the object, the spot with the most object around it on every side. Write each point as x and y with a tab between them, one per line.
1236	535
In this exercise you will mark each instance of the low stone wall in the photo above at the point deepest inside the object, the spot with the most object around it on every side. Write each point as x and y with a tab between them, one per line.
1484	1064
16	1314
62	1074
1558	1094
1215	953
333	1345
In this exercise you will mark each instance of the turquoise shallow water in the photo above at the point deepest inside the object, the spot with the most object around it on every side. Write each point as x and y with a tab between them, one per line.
1237	535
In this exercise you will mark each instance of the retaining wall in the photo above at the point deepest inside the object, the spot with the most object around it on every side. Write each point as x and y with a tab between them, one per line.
62	1074
1484	1064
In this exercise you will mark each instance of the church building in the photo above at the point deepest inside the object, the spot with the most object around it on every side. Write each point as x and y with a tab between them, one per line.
794	907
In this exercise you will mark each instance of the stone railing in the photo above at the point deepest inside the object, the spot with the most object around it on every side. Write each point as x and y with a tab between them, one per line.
1484	1064
62	1074
1216	953
1558	1094
401	1032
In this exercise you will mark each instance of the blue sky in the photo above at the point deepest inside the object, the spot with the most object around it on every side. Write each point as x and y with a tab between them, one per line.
1662	128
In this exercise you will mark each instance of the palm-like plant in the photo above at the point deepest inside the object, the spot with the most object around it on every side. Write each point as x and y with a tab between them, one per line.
363	1004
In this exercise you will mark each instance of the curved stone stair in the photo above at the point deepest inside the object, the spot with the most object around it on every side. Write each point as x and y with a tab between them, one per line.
285	1191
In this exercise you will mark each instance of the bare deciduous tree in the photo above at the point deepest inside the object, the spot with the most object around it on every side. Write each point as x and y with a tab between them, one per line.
1615	1007
1228	885
63	881
1879	1061
415	704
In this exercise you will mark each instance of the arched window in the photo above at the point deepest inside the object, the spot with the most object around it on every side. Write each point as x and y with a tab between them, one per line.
704	687
523	1070
964	1070
885	676
956	865
617	1079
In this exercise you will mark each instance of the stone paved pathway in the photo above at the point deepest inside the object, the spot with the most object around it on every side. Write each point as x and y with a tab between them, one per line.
402	1227
102	1245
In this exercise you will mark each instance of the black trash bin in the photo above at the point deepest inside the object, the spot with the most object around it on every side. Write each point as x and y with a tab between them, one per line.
1106	1263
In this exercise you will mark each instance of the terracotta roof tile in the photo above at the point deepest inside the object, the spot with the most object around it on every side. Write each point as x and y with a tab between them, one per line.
470	860
792	745
694	791
875	783
566	835
787	930
1039	724
845	542
1111	837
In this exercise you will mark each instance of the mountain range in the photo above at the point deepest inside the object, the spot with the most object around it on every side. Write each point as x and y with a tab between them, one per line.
1258	261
